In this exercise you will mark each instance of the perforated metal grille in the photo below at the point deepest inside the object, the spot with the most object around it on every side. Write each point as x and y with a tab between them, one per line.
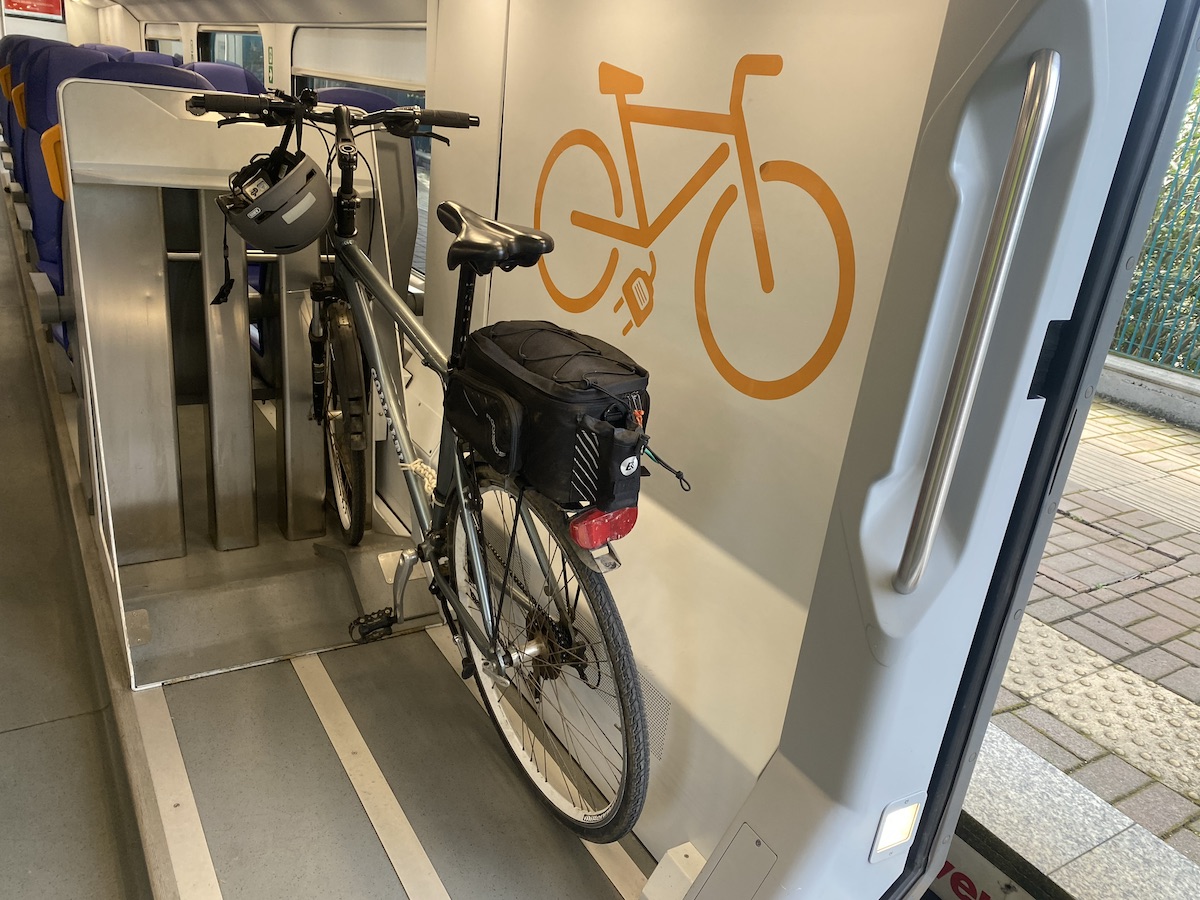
658	713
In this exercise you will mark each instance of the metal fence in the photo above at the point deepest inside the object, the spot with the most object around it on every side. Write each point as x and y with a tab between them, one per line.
1161	321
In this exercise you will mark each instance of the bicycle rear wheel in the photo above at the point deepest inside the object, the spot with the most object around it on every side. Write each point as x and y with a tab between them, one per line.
345	423
570	709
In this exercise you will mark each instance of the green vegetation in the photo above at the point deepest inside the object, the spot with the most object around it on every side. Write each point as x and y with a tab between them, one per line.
1161	320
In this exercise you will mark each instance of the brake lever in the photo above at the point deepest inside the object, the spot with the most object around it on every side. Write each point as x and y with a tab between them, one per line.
273	120
410	130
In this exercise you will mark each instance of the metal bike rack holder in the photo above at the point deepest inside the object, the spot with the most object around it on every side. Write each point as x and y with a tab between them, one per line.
124	305
300	448
232	488
1016	184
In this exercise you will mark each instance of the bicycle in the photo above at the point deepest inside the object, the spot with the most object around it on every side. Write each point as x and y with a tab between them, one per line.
637	291
529	608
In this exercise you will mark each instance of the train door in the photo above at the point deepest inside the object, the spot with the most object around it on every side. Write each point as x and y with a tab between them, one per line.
877	453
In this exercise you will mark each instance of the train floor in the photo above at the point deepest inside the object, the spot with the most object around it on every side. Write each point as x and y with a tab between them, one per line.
66	830
367	771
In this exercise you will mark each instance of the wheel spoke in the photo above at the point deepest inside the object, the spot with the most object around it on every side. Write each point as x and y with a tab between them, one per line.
568	694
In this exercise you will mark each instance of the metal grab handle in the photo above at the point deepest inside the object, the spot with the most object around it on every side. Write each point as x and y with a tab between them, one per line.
1041	90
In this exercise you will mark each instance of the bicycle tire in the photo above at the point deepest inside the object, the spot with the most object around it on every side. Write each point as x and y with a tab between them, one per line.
580	137
345	423
793	173
600	795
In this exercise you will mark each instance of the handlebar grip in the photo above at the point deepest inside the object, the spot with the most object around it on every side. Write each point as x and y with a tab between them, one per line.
228	103
446	118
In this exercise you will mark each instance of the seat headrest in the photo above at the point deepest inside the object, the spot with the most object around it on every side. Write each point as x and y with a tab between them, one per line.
22	53
227	76
44	72
8	43
148	56
146	73
111	49
367	101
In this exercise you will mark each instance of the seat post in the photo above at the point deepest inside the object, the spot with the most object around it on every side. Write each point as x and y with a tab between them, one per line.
462	314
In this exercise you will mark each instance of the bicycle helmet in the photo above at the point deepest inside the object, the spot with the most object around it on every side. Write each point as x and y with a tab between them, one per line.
279	203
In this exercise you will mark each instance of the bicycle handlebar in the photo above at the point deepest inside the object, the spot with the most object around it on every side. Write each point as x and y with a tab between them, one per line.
229	103
274	110
446	118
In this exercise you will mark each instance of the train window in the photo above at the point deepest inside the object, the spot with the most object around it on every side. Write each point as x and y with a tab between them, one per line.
421	147
242	47
161	45
164	38
172	48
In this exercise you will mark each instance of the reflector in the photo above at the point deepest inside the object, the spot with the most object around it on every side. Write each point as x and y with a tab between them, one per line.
592	530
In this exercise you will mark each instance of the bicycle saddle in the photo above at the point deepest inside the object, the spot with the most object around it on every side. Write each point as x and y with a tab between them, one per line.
483	243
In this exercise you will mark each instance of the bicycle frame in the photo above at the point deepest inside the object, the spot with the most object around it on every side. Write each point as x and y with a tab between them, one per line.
360	281
733	124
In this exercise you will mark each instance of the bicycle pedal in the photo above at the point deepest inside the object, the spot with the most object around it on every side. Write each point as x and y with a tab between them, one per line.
468	669
373	626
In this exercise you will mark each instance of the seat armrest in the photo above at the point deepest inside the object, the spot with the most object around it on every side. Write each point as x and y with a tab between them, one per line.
53	308
24	217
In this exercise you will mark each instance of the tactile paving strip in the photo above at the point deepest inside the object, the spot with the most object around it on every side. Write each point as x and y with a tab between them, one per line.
1101	469
1149	726
1044	660
1175	501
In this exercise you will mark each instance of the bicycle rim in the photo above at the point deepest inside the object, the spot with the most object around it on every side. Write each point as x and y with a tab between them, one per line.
571	715
344	400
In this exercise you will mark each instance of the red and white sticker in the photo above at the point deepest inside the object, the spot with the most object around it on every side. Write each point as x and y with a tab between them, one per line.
38	9
966	875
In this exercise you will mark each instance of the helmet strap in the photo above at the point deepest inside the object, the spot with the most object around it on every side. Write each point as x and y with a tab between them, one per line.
227	287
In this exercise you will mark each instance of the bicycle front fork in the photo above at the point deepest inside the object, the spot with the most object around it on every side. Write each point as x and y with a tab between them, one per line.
321	294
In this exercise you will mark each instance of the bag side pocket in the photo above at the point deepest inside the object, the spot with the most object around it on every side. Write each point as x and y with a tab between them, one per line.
608	464
486	417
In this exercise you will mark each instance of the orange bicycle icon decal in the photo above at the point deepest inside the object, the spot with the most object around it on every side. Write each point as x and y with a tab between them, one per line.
637	294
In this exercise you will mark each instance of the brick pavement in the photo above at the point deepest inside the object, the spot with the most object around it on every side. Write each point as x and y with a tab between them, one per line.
1105	681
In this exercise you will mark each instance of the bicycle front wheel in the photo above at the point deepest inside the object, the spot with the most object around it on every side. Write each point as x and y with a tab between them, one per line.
345	423
570	707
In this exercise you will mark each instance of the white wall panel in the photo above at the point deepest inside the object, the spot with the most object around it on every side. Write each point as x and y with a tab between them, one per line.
83	23
277	53
388	56
118	27
253	11
465	73
724	572
842	115
168	31
37	27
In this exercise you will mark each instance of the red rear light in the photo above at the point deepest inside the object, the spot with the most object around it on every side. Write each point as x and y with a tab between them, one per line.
592	530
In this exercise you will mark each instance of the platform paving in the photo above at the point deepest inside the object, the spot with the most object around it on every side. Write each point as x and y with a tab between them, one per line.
1104	681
